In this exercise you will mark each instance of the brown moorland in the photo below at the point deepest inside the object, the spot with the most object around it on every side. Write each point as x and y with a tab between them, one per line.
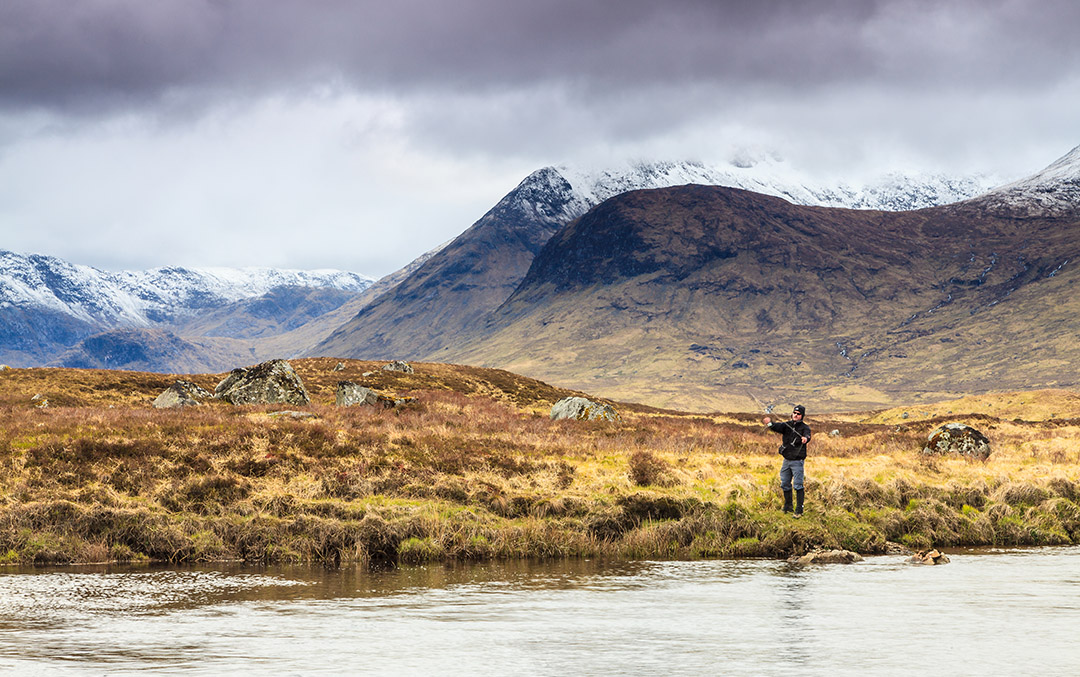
473	468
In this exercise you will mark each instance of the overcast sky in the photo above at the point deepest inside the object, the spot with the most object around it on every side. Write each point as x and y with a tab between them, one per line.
357	135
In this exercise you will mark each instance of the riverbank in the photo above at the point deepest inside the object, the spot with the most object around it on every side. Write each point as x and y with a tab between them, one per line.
474	469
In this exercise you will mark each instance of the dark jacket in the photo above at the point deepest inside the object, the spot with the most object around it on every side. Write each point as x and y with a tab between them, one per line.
792	448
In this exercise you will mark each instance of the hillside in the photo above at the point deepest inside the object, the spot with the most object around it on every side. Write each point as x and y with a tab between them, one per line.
473	469
469	278
701	297
70	387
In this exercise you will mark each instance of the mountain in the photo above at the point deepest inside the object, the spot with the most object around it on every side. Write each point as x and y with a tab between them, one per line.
48	305
702	297
474	274
1055	191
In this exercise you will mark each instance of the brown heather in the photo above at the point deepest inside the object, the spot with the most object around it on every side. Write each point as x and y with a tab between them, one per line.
475	469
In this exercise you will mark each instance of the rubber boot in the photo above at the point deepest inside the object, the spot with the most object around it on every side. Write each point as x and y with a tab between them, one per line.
787	501
799	493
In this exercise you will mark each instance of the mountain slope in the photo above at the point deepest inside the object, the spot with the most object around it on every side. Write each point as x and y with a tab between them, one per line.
700	297
478	271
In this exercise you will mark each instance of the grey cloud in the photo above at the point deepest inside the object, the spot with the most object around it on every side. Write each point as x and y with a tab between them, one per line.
57	53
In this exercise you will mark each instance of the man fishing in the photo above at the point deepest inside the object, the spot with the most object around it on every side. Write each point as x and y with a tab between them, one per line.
795	434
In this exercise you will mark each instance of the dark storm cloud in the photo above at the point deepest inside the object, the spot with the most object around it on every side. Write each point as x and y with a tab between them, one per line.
108	53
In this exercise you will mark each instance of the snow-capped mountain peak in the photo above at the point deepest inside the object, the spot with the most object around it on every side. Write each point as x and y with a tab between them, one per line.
1054	191
583	188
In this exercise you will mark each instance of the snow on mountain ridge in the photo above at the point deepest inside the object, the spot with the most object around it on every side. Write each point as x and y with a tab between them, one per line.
892	192
1054	191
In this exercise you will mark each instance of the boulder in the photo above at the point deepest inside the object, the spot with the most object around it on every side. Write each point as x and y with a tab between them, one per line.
894	548
351	394
272	382
293	414
929	557
399	365
234	377
957	438
340	366
581	409
181	394
828	557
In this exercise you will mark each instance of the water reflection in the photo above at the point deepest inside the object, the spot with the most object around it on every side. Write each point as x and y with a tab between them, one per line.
995	613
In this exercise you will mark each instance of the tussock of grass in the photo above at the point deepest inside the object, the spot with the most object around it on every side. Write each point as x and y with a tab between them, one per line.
475	469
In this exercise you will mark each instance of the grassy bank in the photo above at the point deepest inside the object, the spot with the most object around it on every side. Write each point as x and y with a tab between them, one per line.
474	469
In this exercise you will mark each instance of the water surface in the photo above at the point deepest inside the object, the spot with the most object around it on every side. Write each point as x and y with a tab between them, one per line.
990	613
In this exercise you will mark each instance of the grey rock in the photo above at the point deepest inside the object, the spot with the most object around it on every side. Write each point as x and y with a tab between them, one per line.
399	365
834	433
894	548
234	377
582	409
293	414
957	438
351	394
340	366
181	394
273	382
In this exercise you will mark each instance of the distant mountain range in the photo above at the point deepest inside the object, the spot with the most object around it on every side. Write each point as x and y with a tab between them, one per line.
48	305
669	283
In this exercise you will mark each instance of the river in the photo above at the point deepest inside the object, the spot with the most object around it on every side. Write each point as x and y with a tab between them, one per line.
1005	612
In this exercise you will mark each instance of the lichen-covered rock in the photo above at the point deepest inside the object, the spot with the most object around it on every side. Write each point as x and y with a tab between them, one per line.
399	365
351	394
581	409
828	557
273	382
957	438
181	394
234	377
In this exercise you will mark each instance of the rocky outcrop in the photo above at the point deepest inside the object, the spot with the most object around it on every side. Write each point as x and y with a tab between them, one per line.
182	394
827	557
929	557
582	409
957	438
399	365
351	394
273	382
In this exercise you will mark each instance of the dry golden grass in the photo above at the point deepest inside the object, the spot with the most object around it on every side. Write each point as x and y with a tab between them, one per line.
476	469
